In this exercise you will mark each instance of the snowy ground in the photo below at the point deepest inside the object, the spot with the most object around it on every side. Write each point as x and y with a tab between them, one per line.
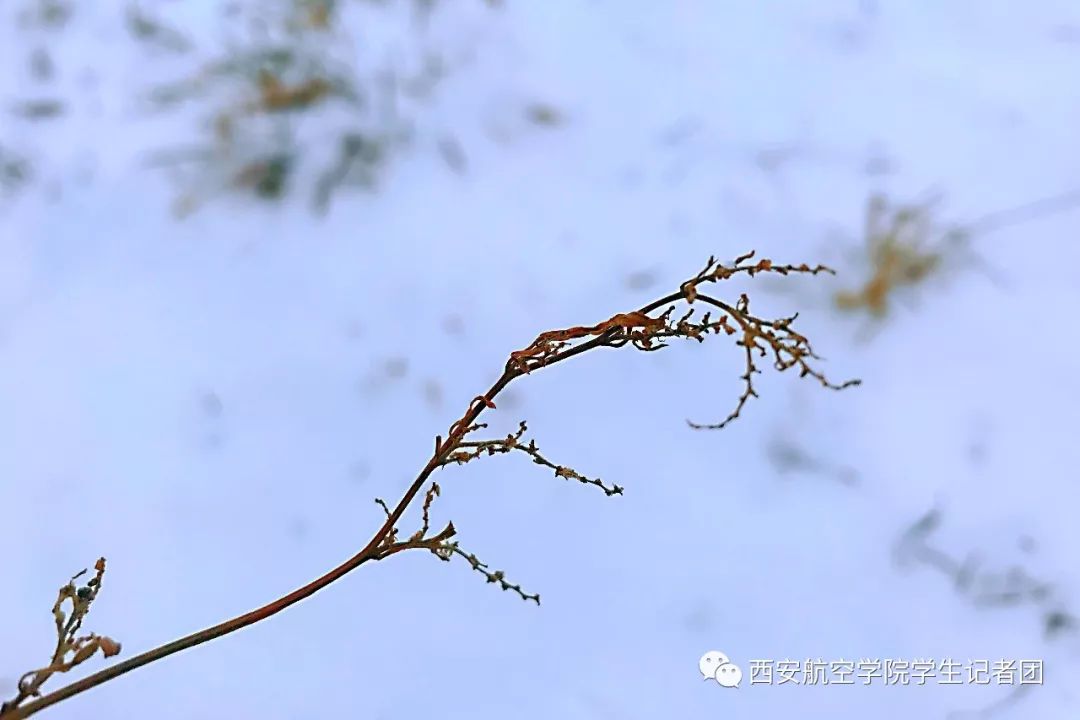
214	403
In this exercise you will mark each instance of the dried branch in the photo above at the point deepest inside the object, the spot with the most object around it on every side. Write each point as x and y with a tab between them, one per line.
637	328
471	450
788	347
448	550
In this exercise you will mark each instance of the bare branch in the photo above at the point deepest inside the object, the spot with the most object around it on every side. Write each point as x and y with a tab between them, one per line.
639	328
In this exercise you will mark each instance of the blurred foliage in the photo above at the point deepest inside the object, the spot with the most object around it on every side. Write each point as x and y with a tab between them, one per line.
295	94
147	28
985	587
14	172
46	14
38	109
259	99
295	99
904	245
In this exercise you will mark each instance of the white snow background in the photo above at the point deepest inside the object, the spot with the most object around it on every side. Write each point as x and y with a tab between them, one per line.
206	402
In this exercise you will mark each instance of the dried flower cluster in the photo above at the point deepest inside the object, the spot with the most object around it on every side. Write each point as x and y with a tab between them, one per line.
71	648
648	329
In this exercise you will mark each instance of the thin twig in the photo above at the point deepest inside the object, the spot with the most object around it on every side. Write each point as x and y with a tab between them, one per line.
637	328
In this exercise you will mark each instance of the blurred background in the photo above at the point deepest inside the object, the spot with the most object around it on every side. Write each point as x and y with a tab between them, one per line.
255	256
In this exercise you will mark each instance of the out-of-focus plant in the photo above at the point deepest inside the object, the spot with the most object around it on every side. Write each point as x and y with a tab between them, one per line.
46	13
148	29
300	90
898	251
906	244
14	172
986	587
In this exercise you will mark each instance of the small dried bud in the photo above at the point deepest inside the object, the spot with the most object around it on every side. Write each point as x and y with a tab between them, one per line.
109	647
